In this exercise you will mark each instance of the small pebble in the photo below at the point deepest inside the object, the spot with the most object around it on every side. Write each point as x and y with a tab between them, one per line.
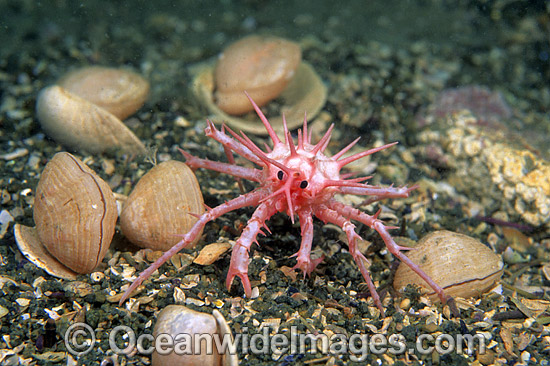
17	153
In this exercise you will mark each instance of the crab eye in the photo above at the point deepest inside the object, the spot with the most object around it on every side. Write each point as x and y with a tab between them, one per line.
280	175
303	184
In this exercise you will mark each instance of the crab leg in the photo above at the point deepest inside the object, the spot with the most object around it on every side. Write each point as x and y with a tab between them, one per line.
379	192
239	257
303	259
231	169
330	215
394	249
249	199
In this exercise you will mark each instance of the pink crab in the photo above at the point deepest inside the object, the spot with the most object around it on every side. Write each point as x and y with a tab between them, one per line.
299	180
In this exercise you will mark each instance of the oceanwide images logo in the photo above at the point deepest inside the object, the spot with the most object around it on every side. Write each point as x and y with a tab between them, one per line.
80	339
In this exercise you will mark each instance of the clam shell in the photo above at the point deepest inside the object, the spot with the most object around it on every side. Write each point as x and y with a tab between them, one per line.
121	92
157	211
177	322
460	264
28	243
262	66
306	93
74	212
81	125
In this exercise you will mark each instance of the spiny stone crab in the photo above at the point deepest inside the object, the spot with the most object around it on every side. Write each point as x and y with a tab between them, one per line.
299	180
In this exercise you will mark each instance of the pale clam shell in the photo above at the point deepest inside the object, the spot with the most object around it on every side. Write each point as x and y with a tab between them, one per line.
460	264
305	94
74	212
121	92
179	321
156	213
260	65
81	125
28	243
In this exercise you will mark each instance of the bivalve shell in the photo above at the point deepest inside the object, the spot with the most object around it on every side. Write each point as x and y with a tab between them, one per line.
31	247
121	92
159	208
266	68
81	125
74	212
182	325
460	264
305	94
261	66
84	111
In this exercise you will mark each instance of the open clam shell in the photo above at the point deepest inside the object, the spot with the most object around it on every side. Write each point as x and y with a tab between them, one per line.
74	212
81	125
121	92
306	93
28	243
261	65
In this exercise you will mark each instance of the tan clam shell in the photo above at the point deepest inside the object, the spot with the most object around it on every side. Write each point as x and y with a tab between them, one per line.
178	321
306	93
81	125
28	243
74	212
261	65
460	264
121	92
157	211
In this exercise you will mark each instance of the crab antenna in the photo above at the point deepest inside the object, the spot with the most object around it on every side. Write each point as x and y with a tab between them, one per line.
360	155
266	123
304	129
345	149
291	145
323	141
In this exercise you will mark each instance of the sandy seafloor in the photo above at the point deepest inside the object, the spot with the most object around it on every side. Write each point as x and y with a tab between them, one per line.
480	160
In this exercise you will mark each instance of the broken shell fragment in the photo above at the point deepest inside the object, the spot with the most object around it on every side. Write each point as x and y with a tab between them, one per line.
162	206
211	253
460	264
121	92
305	94
75	216
261	66
182	325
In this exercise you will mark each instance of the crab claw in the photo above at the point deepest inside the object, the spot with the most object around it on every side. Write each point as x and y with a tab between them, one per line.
244	279
306	264
239	268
